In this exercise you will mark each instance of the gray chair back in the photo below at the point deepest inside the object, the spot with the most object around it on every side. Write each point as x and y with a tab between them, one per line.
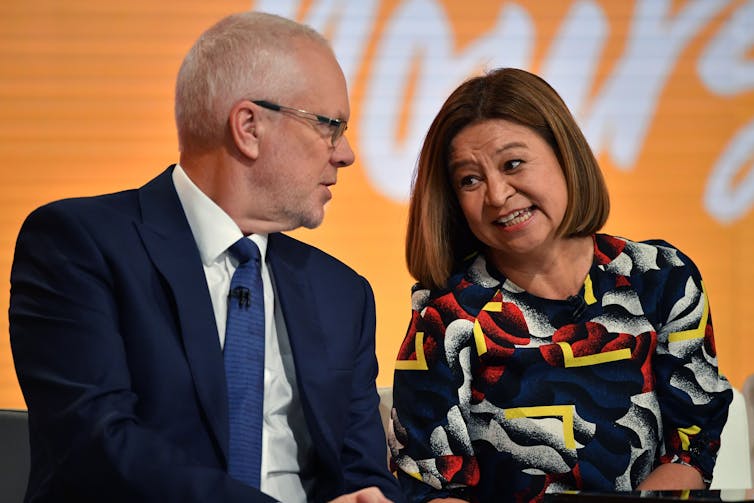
14	454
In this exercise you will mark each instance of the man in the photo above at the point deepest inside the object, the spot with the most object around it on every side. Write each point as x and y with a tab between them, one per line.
119	303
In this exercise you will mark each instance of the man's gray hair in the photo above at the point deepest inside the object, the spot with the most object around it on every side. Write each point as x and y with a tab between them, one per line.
243	56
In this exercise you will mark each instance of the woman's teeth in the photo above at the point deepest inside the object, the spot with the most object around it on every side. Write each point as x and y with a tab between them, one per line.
515	217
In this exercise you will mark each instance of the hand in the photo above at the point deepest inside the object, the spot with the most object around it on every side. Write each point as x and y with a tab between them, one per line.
368	495
672	476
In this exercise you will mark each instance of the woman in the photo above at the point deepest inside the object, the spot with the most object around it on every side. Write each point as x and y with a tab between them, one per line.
541	355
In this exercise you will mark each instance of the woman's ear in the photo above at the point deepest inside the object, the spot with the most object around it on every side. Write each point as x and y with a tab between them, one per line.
244	128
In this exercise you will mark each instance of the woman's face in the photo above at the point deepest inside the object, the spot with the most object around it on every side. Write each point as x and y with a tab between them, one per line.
510	187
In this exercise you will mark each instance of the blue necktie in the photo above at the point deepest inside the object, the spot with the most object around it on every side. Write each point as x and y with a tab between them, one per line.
244	363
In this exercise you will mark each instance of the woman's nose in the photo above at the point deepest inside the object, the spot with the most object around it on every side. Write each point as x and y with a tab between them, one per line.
498	190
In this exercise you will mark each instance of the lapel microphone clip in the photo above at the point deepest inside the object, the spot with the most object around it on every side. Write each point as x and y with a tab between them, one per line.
578	306
243	295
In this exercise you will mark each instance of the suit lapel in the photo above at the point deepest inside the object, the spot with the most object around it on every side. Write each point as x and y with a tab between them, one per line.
293	278
172	248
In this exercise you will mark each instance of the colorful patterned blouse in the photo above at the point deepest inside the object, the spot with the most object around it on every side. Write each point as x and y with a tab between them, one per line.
502	396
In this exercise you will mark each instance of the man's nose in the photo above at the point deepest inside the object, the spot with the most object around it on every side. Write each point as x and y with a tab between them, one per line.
342	154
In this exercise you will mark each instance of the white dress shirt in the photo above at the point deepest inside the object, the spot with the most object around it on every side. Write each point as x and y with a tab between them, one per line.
286	444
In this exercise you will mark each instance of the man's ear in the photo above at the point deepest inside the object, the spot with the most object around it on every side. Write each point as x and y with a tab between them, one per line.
245	128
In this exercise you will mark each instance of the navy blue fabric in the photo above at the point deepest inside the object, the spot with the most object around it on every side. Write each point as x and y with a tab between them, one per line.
116	349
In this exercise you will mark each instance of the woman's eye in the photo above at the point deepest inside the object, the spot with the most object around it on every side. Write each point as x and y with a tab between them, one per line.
512	164
467	181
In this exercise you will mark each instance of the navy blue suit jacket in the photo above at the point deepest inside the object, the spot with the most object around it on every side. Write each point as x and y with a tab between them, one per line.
116	350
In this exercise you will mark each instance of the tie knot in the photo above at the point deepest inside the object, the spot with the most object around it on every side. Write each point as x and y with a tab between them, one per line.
244	250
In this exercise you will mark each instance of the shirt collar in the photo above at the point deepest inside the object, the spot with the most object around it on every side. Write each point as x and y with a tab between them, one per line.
213	229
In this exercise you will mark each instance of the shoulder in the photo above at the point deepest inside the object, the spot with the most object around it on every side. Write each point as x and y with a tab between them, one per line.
85	234
93	211
290	252
469	288
627	257
108	209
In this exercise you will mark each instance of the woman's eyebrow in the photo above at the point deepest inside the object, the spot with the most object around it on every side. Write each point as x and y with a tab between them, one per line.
458	163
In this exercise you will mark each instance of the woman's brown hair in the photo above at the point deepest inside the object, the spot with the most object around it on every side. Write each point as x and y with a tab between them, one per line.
438	237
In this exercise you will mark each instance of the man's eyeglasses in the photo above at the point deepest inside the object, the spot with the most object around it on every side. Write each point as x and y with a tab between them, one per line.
338	126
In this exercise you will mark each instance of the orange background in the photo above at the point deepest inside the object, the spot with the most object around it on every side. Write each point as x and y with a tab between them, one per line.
86	92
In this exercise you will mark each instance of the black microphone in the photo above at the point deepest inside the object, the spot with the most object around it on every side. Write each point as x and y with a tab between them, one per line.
242	294
578	304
